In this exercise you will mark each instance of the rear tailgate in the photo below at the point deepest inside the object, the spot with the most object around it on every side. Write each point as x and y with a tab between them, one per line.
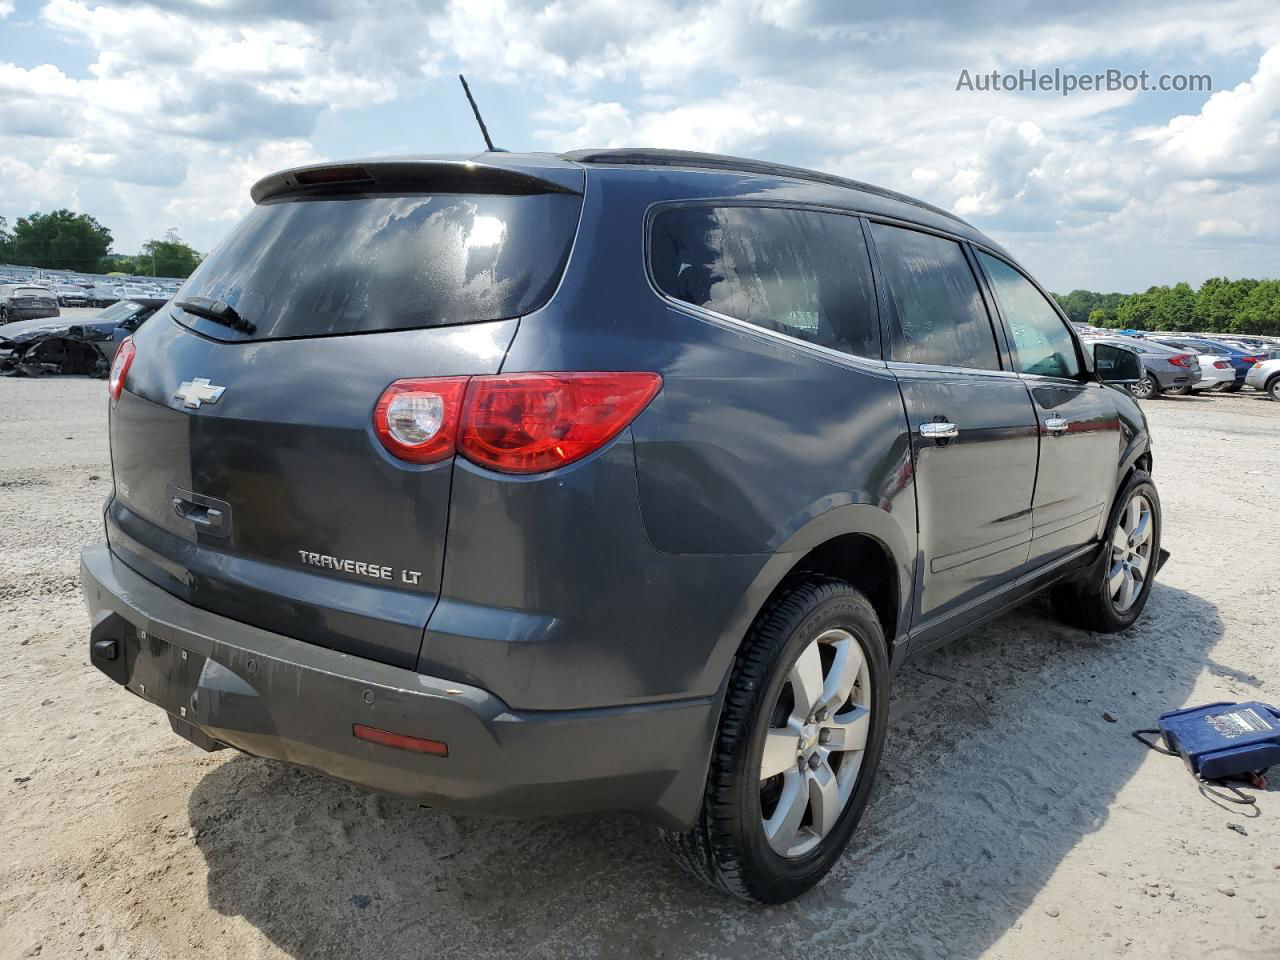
248	478
319	533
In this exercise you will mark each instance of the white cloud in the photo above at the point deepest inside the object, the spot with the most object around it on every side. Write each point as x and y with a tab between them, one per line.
184	104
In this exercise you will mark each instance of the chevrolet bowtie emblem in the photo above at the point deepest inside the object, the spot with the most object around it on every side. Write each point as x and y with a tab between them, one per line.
192	393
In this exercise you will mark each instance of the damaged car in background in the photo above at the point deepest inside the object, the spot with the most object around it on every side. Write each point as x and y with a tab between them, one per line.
21	301
34	348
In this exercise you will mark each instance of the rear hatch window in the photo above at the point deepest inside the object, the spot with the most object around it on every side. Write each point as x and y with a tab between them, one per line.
309	267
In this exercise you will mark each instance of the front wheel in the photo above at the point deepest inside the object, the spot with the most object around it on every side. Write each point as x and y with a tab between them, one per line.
1146	389
1273	388
1112	593
1179	391
795	756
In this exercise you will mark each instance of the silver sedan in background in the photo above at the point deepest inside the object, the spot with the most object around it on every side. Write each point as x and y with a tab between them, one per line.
1265	376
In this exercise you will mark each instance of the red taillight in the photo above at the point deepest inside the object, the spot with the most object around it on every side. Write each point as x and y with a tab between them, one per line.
1221	365
400	741
417	420
1251	359
120	368
514	423
530	422
1181	360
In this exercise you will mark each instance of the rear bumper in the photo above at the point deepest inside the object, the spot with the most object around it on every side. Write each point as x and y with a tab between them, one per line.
225	682
1211	376
33	313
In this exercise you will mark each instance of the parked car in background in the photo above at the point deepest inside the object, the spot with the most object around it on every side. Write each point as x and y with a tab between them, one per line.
1265	376
1217	371
1166	369
27	302
71	295
132	291
1259	347
103	294
1240	358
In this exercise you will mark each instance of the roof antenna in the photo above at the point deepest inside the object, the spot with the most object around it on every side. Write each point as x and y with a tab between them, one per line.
476	110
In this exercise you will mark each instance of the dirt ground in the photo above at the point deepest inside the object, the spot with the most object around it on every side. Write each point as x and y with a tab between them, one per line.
1011	818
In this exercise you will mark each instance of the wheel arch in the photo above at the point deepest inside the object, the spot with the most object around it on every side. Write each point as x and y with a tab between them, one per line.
858	542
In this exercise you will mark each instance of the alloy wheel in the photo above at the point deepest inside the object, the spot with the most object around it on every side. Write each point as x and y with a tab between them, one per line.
815	742
1145	388
1130	553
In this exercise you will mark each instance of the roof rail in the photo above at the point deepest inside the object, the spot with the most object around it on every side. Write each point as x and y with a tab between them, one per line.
649	156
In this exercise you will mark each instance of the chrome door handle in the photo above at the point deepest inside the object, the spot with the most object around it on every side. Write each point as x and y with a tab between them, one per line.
939	431
1055	425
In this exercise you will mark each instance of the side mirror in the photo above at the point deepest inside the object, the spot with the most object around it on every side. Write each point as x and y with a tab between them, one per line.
1116	364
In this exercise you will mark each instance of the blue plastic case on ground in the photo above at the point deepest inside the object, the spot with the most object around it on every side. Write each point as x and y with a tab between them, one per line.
1222	740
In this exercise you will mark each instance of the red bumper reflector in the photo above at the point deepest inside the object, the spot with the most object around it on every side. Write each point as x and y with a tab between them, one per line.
400	741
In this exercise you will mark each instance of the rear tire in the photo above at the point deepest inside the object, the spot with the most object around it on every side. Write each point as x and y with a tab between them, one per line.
1179	391
1146	389
748	840
1233	387
1109	597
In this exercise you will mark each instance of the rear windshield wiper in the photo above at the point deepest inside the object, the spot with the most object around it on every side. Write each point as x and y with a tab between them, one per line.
217	311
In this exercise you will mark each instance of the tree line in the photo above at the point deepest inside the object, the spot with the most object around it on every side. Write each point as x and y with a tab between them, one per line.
1219	306
63	240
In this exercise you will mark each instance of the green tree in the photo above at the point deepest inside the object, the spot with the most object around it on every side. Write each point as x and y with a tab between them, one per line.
6	241
1260	311
60	240
1103	317
1218	301
1174	308
169	257
1078	304
1138	310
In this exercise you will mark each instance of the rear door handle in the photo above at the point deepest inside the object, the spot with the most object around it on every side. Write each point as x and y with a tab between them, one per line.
1055	425
936	430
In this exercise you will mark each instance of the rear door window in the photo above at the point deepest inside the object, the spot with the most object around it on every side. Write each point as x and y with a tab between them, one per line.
365	263
941	319
801	273
1040	337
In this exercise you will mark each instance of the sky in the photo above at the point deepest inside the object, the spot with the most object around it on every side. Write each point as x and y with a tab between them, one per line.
152	116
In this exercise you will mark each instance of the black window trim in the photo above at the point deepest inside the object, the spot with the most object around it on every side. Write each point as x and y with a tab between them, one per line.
1086	369
745	326
889	309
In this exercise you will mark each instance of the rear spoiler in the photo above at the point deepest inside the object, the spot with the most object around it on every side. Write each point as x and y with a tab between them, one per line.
507	174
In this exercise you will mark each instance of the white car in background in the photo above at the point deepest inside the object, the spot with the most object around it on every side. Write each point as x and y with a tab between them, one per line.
1216	369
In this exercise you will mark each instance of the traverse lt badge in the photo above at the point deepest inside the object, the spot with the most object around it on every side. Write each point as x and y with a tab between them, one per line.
192	393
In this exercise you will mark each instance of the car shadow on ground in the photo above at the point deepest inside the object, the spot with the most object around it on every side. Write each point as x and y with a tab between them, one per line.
999	761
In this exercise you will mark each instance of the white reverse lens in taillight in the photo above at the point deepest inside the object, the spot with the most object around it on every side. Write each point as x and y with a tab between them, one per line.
417	420
120	368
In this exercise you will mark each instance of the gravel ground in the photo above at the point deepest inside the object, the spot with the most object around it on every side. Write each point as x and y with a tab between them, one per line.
1012	817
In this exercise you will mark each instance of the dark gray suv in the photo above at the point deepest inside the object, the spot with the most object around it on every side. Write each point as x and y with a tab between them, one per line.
615	481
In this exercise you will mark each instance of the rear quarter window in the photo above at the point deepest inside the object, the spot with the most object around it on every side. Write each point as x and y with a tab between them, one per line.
802	273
